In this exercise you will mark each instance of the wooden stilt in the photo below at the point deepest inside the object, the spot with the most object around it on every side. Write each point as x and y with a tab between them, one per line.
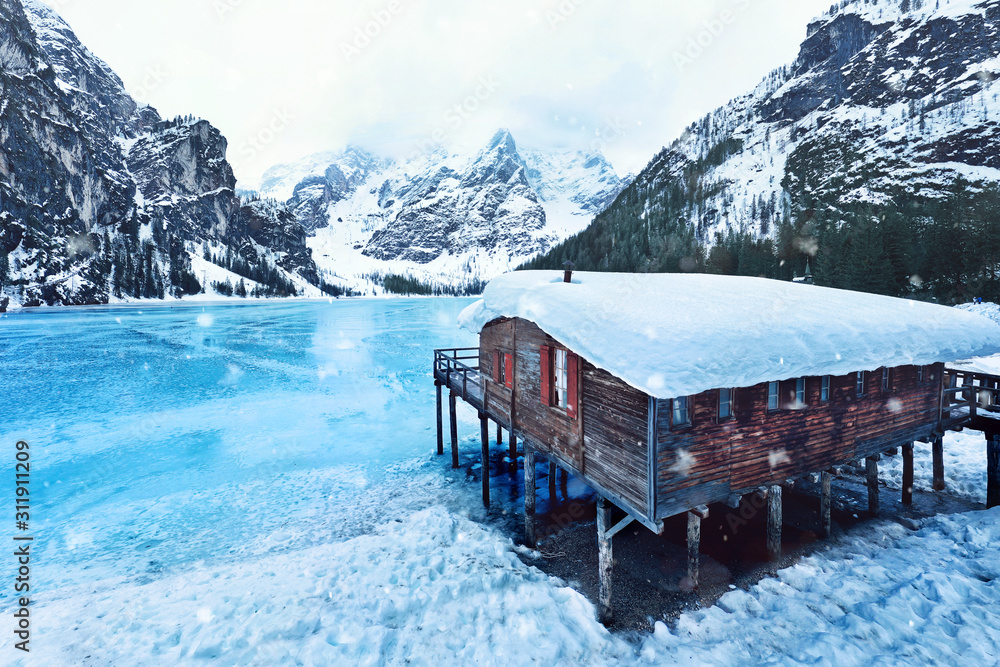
937	451
552	480
529	497
826	504
871	469
453	415
484	427
499	435
440	420
992	470
513	454
774	523
605	560
694	547
908	474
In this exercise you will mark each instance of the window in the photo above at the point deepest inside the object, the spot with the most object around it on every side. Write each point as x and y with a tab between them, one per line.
860	383
562	379
885	379
824	389
920	373
800	392
773	391
725	404
682	412
503	369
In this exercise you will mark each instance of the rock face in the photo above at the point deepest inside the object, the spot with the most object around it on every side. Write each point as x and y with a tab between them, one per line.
450	216
889	116
340	180
488	205
90	181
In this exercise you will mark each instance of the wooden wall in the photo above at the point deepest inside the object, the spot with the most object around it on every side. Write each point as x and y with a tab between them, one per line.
709	460
608	444
615	435
498	335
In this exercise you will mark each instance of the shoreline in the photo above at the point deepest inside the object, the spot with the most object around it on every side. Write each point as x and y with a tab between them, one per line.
221	301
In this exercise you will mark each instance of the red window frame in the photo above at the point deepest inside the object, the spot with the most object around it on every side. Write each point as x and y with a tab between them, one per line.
547	361
503	361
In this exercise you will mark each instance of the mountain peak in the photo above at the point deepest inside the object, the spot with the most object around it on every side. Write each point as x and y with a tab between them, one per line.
503	139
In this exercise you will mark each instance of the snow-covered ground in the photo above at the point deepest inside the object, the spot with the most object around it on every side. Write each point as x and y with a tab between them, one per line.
254	484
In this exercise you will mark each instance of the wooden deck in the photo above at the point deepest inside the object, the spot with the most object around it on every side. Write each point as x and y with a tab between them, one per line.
970	400
458	370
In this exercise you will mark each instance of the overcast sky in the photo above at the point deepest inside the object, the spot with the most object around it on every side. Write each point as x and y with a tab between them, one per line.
283	79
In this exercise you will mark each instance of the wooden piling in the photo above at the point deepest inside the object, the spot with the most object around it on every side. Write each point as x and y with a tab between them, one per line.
871	470
440	420
774	523
529	497
453	415
695	517
552	480
992	470
908	474
605	559
484	428
512	455
499	434
937	450
826	504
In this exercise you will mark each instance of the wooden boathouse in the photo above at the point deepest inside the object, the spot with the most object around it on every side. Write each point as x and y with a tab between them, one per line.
669	393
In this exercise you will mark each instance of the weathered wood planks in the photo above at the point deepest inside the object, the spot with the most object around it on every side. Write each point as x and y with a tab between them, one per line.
711	459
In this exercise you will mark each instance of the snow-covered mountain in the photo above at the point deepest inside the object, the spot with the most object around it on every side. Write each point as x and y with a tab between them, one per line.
887	123
100	199
450	216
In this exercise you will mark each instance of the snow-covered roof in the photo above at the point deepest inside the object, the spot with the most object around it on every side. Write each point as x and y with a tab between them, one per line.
678	334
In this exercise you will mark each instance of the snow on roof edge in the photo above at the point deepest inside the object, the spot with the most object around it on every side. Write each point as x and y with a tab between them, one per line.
672	335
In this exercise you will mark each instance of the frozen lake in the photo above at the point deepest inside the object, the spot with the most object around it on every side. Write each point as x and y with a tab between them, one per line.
171	434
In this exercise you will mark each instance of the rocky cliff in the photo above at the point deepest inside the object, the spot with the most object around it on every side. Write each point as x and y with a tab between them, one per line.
100	198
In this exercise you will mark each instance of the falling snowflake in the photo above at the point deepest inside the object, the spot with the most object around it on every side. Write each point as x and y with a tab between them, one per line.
656	382
777	458
894	405
684	463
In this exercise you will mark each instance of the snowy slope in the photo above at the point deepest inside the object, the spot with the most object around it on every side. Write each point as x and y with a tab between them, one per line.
279	181
892	107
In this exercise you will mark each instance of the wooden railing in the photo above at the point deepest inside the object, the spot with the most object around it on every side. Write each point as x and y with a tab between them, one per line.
449	363
969	394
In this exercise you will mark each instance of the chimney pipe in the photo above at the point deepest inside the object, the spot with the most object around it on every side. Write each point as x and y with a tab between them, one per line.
568	276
